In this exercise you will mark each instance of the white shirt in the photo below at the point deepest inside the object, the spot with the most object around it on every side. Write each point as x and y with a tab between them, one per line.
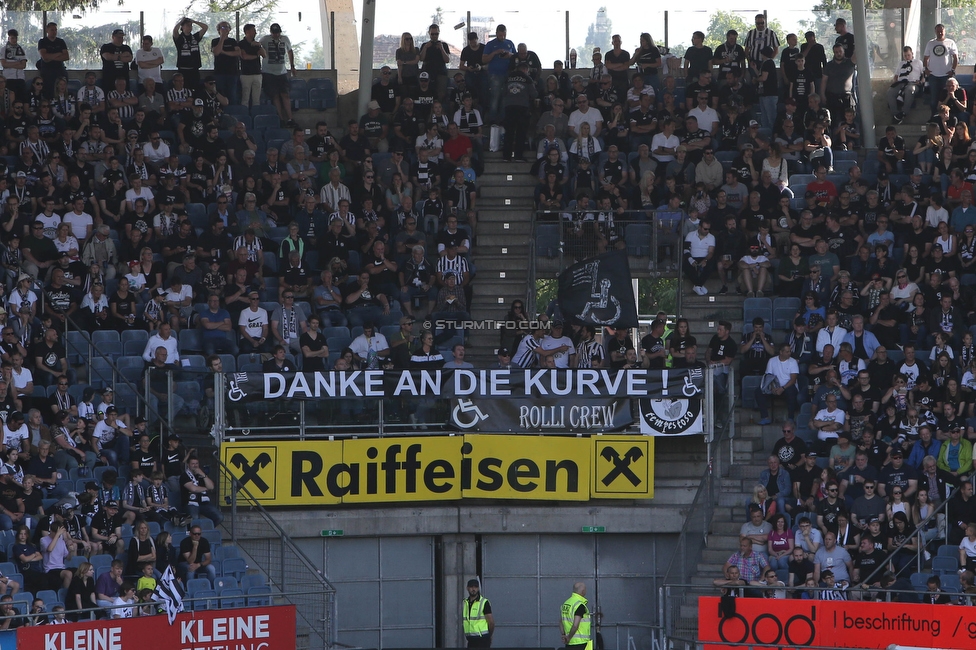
171	345
149	73
700	245
561	359
837	415
361	345
276	62
706	118
14	53
834	338
50	224
940	56
145	192
13	438
253	321
156	154
592	116
21	379
661	140
782	369
79	223
186	291
105	433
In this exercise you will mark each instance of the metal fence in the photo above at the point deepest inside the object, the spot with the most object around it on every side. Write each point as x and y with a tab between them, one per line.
289	571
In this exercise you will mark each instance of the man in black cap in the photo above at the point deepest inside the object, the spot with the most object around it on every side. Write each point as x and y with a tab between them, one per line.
116	57
504	359
275	71
106	528
476	618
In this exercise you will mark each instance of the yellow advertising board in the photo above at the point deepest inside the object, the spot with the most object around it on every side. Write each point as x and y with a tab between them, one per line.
392	470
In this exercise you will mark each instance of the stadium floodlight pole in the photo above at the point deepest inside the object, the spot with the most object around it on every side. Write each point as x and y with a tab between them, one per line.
366	54
863	67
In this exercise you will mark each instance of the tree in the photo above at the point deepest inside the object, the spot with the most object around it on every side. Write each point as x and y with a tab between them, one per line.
54	5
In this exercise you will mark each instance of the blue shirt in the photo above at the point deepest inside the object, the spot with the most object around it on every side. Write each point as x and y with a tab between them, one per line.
215	318
962	218
499	65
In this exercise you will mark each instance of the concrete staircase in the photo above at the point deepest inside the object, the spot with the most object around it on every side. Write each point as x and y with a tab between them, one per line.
500	255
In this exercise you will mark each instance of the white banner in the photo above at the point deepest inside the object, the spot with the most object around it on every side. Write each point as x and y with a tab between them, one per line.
671	417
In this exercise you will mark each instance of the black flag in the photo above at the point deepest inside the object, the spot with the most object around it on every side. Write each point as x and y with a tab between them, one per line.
598	291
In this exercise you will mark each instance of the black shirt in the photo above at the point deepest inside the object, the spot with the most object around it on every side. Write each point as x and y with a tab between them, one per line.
251	48
650	344
117	69
224	63
188	51
53	47
789	453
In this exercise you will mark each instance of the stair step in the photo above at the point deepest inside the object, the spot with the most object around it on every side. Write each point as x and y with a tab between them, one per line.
526	182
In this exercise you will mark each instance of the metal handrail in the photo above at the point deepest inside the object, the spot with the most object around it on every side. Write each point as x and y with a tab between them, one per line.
704	497
914	535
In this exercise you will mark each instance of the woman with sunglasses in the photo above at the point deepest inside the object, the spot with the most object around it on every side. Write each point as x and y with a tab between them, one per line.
516	328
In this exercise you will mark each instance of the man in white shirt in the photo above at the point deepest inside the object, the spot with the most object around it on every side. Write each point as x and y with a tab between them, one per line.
786	371
80	221
150	61
162	339
665	143
111	434
22	377
706	115
699	256
369	348
829	422
156	150
253	324
585	113
831	334
14	62
940	60
558	346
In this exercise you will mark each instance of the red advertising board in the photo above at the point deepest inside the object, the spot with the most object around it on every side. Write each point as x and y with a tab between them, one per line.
834	624
251	628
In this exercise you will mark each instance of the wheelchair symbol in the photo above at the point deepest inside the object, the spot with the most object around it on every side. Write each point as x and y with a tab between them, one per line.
689	389
467	406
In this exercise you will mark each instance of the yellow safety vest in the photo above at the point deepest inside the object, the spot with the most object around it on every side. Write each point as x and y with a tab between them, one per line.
582	635
473	617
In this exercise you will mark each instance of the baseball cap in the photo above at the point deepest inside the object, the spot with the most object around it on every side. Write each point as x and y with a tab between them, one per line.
753	123
275	28
916	172
790	101
20	175
373	105
209	79
112	504
424	75
503	352
557	322
811	454
118	32
91	485
198	102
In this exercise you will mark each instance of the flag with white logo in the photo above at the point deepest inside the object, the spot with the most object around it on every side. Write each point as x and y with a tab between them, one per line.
170	594
598	291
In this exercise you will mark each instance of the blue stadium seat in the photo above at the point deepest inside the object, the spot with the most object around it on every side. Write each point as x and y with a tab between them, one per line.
197	213
134	348
337	343
266	121
919	580
276	133
298	92
753	307
235	567
263	109
225	582
77	347
253	580
109	349
203	523
321	99
103	336
195	361
226	552
547	240
638	238
783	311
749	385
329	332
943	565
205	599
259	596
229	362
231	597
48	596
100	373
191	340
195	585
101	560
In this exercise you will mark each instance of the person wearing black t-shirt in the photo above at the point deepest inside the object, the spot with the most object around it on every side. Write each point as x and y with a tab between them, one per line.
227	67
54	52
722	350
652	345
471	58
188	50
116	57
